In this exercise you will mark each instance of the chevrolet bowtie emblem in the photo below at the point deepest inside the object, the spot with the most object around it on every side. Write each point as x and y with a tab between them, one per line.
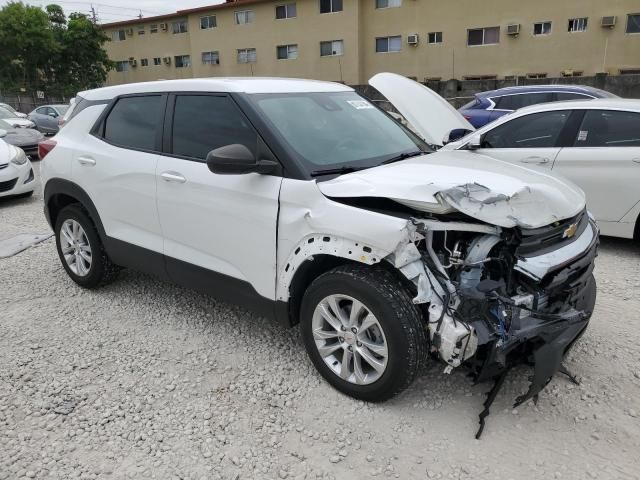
570	231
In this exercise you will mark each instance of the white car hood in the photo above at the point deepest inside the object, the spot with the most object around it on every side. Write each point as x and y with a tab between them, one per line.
6	152
489	190
19	122
429	114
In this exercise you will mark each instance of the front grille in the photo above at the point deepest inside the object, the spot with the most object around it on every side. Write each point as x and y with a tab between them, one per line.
551	237
8	185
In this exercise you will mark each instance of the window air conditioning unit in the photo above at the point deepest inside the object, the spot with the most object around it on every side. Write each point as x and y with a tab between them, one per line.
413	39
567	73
133	62
609	22
164	27
129	31
167	60
513	29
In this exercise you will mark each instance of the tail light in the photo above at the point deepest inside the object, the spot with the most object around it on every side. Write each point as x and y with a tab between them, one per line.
44	147
61	122
467	117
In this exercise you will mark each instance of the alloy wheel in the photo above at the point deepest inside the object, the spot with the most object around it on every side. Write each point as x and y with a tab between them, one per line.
75	247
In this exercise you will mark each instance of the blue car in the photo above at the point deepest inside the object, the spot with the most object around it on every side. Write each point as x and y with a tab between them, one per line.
488	106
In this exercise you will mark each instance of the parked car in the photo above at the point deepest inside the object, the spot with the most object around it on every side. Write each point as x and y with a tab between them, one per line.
13	110
25	138
594	143
16	173
15	122
489	106
303	200
47	118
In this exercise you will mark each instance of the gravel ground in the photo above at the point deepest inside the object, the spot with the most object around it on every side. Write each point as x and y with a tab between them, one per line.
143	379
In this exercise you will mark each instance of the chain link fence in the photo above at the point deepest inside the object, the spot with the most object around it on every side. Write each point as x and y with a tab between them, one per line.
26	102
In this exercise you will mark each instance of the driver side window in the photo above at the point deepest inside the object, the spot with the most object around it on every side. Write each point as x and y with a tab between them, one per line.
538	130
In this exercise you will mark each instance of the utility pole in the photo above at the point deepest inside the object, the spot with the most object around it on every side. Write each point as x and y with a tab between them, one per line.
94	17
140	14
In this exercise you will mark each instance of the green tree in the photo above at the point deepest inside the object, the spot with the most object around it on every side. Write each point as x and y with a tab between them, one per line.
26	43
43	50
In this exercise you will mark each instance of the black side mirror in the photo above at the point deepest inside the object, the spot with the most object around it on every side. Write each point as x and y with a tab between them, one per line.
455	135
237	159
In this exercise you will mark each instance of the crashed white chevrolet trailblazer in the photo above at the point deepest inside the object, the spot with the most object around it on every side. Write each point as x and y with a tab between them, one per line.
305	201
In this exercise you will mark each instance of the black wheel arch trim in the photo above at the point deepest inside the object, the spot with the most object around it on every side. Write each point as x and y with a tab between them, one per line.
60	186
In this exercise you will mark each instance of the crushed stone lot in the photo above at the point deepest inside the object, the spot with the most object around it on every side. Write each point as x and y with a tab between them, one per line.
143	379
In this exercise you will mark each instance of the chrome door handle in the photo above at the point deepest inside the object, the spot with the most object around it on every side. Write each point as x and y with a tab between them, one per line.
173	177
86	161
537	160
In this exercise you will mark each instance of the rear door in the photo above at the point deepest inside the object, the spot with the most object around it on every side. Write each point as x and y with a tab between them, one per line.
116	166
529	140
212	223
604	160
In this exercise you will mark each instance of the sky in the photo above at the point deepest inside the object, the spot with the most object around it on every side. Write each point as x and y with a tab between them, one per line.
115	10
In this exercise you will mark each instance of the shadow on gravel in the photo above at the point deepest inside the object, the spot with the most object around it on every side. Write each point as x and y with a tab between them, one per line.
620	246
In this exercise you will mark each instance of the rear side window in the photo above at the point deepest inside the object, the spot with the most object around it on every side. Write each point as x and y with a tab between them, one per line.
609	128
538	130
202	123
135	122
560	96
514	102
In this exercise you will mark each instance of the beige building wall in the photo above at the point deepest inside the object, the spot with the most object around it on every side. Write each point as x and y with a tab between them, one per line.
596	50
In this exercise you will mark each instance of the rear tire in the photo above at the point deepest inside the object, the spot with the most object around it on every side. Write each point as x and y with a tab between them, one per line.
80	250
388	345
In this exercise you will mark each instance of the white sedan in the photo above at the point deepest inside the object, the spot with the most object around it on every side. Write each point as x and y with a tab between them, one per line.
16	172
594	143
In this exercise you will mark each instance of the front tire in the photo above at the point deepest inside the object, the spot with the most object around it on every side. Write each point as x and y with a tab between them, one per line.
80	250
362	332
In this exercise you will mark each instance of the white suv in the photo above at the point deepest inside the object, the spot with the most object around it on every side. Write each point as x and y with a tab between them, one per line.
305	201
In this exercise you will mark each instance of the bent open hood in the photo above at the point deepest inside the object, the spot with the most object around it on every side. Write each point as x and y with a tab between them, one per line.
489	190
429	114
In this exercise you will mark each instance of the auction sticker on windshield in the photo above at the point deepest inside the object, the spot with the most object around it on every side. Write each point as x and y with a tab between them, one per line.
359	104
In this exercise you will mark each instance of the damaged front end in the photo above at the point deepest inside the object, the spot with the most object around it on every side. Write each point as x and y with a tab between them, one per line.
499	297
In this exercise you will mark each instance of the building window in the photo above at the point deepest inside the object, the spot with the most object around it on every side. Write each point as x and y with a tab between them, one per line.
122	66
435	37
208	22
157	61
389	44
480	77
287	52
119	36
542	28
331	48
388	3
330	6
633	23
182	61
630	71
536	75
153	28
244	17
247	55
286	11
483	36
144	62
180	26
141	30
210	58
577	24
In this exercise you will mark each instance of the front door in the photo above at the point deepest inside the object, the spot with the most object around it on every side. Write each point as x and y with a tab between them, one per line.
530	140
211	223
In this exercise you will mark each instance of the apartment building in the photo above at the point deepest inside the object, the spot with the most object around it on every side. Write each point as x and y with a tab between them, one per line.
351	40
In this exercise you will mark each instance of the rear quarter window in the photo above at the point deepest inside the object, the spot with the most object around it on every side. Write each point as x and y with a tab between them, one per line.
135	122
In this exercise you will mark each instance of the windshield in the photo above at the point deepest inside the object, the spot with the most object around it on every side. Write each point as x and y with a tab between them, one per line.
5	126
4	113
334	130
8	107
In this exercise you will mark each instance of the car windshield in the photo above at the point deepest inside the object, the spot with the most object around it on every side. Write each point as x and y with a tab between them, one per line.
8	107
5	126
4	113
336	130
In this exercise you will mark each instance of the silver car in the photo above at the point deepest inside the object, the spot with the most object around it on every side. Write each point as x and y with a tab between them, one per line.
47	117
25	138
